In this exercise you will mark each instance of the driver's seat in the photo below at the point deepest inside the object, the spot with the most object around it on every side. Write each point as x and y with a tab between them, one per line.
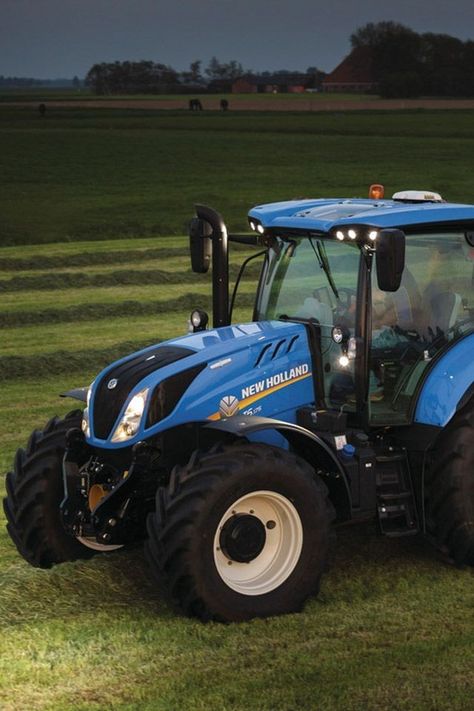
313	308
444	311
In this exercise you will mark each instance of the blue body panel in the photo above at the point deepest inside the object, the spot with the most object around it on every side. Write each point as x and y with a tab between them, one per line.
323	215
451	377
265	366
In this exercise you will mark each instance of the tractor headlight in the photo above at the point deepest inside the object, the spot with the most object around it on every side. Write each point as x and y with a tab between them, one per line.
198	321
85	426
85	423
130	422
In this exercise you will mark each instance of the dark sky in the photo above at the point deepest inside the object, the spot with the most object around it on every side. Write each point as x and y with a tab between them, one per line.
62	38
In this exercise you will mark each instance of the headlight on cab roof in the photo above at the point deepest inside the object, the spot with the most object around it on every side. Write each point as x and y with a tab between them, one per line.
130	422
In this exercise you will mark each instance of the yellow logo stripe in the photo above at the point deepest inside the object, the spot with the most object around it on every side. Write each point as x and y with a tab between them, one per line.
249	400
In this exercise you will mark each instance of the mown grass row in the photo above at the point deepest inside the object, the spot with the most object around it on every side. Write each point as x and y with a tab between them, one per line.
87	259
48	331
91	256
67	361
98	311
79	280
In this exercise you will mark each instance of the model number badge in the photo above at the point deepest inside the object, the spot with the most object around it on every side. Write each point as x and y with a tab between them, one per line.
112	383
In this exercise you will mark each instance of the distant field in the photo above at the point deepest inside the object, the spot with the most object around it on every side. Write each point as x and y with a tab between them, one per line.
48	94
81	174
94	265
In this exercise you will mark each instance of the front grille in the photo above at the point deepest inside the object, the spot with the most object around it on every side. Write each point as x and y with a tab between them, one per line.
108	403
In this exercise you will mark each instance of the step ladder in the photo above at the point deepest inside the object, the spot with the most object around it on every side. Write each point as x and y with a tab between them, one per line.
396	506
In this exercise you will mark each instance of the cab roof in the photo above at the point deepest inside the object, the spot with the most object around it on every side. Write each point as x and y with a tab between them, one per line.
323	215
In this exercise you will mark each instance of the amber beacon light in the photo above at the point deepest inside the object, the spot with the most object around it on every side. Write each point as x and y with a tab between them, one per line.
376	192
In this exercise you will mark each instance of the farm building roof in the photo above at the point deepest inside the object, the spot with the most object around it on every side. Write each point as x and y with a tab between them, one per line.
356	68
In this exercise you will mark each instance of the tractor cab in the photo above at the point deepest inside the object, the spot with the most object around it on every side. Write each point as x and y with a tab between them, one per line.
388	285
383	286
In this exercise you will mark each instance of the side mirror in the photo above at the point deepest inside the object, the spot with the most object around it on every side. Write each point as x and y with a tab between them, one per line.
390	259
200	245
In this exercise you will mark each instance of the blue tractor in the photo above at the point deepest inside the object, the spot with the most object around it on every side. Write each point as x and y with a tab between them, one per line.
236	451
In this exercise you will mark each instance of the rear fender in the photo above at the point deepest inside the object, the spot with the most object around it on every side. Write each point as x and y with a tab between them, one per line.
305	443
448	385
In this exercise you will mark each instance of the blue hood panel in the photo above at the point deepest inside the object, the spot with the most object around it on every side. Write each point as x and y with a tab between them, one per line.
254	368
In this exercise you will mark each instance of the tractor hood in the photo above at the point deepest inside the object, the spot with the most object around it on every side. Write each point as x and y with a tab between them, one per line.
254	368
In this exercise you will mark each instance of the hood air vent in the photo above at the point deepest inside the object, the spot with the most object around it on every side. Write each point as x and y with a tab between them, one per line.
272	350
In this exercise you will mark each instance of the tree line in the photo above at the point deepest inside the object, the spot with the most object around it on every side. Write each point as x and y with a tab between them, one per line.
146	77
407	64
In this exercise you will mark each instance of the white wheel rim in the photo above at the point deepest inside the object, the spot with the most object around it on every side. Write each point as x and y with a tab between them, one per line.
92	543
282	549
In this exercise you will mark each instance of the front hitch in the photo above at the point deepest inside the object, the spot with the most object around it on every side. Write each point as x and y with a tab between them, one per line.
116	519
100	501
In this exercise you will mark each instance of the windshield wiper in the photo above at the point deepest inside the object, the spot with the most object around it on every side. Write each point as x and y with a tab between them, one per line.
322	257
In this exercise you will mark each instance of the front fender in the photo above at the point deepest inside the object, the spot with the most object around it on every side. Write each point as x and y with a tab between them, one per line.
307	444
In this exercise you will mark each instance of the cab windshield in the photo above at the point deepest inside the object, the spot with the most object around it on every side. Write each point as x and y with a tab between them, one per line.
315	279
310	277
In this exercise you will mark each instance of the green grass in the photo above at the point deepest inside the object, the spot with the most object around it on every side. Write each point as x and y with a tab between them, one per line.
393	626
82	175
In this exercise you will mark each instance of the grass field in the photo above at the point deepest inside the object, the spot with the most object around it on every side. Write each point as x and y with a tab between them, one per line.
35	95
393	626
78	174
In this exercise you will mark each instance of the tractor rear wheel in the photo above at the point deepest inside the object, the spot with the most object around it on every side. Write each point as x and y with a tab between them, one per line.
34	493
242	531
450	488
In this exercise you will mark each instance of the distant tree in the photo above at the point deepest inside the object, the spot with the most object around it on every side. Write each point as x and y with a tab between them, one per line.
401	84
216	70
144	77
395	48
76	82
466	74
195	70
97	78
315	77
443	64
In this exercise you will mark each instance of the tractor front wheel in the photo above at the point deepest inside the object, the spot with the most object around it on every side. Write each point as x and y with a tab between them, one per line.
241	532
34	493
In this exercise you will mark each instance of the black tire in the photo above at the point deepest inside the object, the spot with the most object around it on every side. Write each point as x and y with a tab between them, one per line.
450	488
194	528
34	493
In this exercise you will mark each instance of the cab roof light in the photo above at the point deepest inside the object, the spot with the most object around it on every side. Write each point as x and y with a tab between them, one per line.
376	191
417	196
